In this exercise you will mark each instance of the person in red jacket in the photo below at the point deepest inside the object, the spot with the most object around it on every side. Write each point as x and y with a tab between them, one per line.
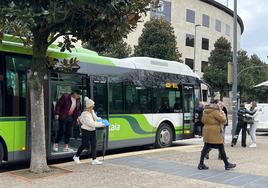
67	110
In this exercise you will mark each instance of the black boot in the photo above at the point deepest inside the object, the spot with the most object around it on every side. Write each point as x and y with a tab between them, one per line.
207	156
202	167
230	166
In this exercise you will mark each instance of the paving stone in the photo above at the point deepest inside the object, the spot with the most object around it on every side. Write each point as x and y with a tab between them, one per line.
182	170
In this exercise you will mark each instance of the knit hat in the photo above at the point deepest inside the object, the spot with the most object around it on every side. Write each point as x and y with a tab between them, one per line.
89	102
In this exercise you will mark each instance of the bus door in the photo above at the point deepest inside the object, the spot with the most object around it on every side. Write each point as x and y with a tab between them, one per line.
188	109
99	93
60	84
15	106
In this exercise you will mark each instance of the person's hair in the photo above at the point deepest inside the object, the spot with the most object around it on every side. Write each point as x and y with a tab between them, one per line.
254	104
77	91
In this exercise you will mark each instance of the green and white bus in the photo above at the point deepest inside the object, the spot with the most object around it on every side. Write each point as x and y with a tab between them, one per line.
147	101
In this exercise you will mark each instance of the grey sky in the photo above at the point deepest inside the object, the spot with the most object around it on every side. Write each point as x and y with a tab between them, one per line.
255	17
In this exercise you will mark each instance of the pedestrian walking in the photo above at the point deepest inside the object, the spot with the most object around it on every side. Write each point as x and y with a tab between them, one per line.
67	110
243	120
213	118
253	125
223	127
88	119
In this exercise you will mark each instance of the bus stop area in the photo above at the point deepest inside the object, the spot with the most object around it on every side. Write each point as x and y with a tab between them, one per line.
170	167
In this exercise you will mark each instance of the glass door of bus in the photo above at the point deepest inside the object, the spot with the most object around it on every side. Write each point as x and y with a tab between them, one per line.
99	93
188	109
63	84
15	106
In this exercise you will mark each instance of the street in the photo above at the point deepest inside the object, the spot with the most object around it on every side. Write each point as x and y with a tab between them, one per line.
118	80
170	167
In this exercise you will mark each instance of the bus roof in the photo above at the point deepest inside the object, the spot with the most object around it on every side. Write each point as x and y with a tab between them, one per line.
157	65
13	44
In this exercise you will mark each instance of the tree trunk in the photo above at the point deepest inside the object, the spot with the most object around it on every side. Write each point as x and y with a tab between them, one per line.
38	71
38	145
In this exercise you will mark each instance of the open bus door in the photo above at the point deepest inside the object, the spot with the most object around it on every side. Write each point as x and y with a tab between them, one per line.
59	84
188	109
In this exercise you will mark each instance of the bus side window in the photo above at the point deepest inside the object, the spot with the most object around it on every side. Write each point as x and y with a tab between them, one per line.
15	101
116	98
177	108
1	95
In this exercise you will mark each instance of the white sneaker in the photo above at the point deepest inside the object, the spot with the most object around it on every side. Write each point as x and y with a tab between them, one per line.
253	145
96	162
76	160
68	150
55	149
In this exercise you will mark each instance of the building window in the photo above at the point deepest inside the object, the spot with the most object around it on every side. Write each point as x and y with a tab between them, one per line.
228	30
205	95
218	25
189	40
190	63
205	44
204	65
190	16
206	20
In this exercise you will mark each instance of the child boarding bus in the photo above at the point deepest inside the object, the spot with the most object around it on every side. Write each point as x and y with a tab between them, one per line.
147	101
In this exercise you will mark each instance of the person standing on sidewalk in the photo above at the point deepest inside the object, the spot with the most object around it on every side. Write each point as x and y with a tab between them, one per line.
243	120
67	110
253	125
213	118
198	126
88	119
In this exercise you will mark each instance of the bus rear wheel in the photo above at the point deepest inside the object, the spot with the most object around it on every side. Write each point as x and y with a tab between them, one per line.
1	153
164	136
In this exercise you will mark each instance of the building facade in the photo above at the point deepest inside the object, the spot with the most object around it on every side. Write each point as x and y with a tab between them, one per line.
197	24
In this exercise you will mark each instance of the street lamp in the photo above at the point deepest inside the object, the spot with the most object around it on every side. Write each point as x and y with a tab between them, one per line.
195	39
234	86
251	67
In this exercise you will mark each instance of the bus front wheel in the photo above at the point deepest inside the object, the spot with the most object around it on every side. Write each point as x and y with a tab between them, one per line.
164	136
1	153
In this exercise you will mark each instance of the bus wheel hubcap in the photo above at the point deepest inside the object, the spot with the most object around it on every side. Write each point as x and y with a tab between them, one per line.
164	137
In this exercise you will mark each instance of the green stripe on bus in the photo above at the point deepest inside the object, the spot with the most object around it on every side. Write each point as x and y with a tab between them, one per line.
14	45
126	126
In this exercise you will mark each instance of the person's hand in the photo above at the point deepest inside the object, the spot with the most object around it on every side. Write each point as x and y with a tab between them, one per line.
78	121
56	117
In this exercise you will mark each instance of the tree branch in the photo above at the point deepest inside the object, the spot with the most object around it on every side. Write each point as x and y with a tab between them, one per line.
56	24
57	36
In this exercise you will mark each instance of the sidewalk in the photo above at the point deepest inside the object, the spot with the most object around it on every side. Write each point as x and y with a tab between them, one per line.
170	167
